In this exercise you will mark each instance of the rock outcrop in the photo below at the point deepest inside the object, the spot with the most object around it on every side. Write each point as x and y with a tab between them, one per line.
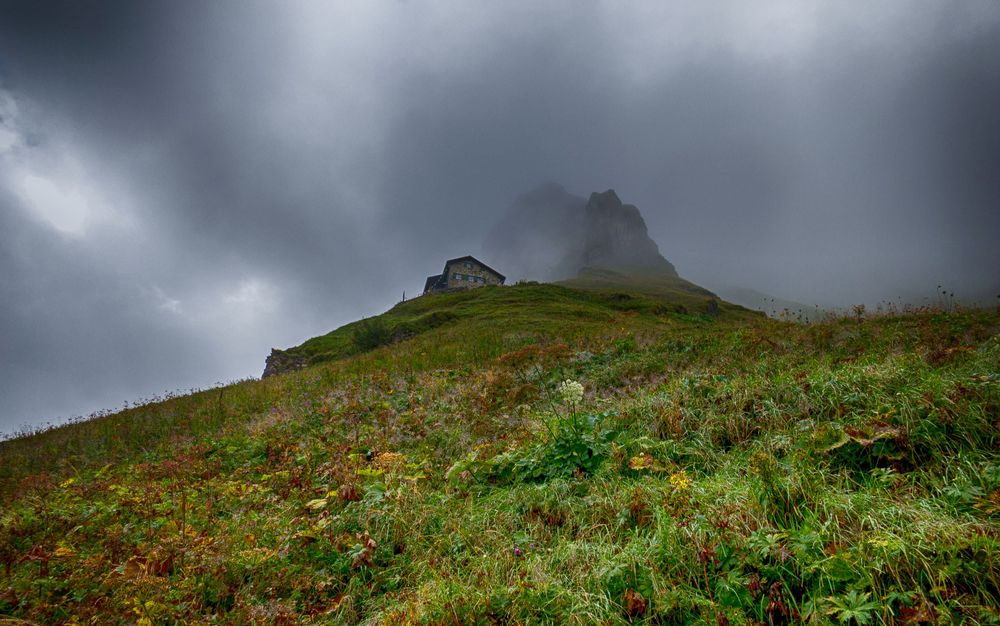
551	234
617	238
280	361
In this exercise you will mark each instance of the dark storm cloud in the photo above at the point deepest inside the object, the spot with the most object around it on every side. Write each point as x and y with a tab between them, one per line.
214	233
854	166
78	337
185	186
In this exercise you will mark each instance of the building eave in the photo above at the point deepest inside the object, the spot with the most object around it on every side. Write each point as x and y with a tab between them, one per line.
471	258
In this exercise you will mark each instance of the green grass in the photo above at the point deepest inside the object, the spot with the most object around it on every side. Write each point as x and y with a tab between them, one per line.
672	292
541	309
719	469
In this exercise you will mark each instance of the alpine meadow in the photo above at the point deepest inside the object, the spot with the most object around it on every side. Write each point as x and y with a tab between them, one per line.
530	312
727	469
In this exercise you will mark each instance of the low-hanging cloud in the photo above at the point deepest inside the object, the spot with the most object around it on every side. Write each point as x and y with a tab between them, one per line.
183	187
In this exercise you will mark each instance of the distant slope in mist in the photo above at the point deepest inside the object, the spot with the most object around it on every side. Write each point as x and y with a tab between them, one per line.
771	305
679	294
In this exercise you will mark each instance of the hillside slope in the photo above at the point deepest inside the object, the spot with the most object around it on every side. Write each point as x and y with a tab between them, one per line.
592	298
727	469
773	306
671	289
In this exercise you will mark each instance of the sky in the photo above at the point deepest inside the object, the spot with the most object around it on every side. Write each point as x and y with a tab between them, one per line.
185	185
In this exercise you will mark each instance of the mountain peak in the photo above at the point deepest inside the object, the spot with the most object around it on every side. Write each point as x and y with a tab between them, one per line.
551	234
607	199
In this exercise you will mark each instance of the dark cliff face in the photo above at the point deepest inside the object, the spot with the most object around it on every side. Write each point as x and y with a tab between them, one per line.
617	237
550	234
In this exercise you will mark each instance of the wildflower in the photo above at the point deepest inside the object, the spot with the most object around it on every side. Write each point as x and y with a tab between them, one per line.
680	481
517	552
570	391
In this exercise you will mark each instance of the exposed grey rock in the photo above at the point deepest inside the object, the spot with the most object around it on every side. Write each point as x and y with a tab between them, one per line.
617	237
551	234
280	362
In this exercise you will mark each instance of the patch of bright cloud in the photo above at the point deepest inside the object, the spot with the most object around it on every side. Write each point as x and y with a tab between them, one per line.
253	294
66	208
49	177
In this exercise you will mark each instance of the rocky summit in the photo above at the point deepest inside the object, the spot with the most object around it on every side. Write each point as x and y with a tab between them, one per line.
617	238
551	234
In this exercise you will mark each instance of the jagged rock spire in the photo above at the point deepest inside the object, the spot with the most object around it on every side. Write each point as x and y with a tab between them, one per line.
550	234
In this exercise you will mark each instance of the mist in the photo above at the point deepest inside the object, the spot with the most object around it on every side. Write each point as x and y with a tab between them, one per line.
184	186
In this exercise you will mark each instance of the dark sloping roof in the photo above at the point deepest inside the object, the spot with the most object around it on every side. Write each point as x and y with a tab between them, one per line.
432	282
471	258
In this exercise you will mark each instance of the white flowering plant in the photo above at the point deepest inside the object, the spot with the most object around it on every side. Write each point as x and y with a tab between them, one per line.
576	445
571	392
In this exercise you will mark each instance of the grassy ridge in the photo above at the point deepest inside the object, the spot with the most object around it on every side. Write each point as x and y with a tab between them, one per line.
671	290
729	469
594	295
